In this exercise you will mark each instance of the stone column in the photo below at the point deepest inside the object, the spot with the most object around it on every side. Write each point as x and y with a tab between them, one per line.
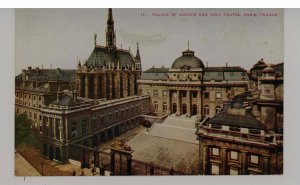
125	94
244	163
188	103
265	165
103	85
112	162
54	128
117	84
224	161
66	129
178	96
110	85
205	161
169	104
129	165
47	126
61	130
96	86
199	108
86	93
131	84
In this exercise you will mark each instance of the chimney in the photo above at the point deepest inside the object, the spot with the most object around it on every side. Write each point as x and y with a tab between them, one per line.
74	93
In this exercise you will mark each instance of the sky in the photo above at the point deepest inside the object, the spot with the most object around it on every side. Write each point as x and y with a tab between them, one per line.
57	37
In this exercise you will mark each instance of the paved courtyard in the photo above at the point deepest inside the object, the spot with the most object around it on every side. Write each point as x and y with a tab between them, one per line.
169	144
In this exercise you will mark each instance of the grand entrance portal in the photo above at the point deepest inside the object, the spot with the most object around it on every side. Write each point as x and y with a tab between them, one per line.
174	108
194	109
184	108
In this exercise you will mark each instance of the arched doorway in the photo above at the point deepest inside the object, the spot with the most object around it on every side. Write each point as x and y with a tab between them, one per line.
103	139
57	153
95	141
117	131
110	135
51	152
174	108
194	109
45	150
184	108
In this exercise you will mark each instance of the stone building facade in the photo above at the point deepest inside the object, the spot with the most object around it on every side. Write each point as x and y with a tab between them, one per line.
246	137
37	87
70	120
105	104
188	88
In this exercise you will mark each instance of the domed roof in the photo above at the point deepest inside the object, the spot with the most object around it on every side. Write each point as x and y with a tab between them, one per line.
187	60
259	65
268	70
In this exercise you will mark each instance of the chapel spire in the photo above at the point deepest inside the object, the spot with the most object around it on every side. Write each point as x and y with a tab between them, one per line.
138	57
110	31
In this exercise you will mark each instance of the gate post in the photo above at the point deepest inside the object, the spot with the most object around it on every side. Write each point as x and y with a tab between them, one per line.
129	163
112	162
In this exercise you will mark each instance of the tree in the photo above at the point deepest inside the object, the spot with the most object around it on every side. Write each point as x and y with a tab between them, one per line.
23	131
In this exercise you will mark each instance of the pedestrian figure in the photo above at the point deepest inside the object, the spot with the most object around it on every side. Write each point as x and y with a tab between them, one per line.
151	169
74	173
82	173
93	171
102	169
172	171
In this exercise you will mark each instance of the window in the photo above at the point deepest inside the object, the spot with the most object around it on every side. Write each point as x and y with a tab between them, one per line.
41	128
218	109
215	151
155	105
218	95
174	94
184	94
235	129
155	92
234	155
254	159
40	98
233	171
253	131
216	126
206	95
164	93
83	127
34	116
74	130
164	106
215	169
267	91
194	94
206	110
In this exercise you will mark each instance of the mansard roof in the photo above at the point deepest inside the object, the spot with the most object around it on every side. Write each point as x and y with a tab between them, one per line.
65	100
225	117
102	56
51	74
225	73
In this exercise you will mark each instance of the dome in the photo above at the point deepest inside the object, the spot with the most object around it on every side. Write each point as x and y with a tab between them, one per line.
187	60
259	65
